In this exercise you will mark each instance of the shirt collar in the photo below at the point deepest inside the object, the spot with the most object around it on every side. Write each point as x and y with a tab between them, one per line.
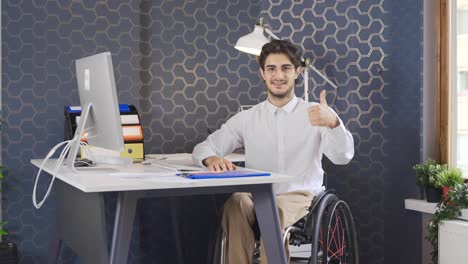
289	107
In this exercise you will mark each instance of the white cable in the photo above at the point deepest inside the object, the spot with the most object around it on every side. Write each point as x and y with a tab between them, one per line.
68	144
54	171
62	155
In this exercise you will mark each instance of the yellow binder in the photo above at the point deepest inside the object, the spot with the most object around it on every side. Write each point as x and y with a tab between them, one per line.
134	151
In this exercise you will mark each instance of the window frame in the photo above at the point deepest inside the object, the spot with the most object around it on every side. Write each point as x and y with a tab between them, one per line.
443	124
446	83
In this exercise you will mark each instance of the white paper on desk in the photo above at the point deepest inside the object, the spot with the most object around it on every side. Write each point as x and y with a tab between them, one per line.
177	156
177	179
142	175
175	165
139	171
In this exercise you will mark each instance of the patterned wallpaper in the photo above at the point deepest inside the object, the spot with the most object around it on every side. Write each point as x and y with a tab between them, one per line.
175	60
41	41
375	57
350	42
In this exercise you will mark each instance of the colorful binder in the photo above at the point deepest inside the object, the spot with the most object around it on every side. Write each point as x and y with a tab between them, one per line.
131	128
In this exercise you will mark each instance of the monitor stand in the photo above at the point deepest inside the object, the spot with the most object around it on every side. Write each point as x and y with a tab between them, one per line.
75	147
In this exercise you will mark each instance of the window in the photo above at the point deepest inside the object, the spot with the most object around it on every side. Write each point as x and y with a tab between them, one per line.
452	83
462	18
459	97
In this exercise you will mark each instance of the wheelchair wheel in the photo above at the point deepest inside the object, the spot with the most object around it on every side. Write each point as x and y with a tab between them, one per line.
338	236
318	223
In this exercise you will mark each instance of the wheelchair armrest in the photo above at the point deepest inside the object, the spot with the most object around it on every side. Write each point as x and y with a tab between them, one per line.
319	203
302	223
318	198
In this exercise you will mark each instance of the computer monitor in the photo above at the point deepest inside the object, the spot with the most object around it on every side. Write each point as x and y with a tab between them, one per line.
100	116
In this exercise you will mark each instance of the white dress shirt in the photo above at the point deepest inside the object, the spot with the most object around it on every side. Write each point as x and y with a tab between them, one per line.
281	140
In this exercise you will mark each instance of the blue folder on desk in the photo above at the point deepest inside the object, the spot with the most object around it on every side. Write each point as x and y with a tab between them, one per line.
225	174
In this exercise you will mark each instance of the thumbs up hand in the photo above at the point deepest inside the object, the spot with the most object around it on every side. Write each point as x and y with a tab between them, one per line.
321	115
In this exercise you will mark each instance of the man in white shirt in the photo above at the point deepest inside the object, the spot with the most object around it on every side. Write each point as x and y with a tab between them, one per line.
283	134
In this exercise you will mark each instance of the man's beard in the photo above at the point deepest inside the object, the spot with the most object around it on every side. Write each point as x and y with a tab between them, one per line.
280	94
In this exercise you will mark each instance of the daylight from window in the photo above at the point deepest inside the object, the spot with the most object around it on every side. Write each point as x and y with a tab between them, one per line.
462	86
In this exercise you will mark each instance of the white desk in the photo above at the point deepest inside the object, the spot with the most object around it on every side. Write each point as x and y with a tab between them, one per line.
81	218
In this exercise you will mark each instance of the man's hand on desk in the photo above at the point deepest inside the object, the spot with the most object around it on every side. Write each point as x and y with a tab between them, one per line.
215	163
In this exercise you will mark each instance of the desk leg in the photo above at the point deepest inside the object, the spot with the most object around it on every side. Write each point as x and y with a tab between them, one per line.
268	221
123	226
81	223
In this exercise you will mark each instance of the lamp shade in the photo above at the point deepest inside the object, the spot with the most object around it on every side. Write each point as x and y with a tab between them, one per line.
253	42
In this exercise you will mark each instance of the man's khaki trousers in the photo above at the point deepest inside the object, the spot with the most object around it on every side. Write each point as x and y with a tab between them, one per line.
239	216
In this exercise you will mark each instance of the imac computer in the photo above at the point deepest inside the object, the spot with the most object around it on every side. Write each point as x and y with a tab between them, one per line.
100	116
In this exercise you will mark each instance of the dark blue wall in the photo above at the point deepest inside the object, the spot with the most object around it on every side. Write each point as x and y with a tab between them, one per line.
40	42
404	134
373	51
175	60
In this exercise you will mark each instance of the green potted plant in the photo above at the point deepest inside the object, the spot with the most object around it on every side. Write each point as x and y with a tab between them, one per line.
448	179
8	250
458	197
427	177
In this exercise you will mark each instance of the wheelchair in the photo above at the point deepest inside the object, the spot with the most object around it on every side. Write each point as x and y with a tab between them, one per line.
328	228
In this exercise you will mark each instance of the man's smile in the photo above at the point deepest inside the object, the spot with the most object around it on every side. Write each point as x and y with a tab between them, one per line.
278	83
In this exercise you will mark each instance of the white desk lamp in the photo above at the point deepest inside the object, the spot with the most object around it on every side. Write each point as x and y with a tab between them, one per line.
252	43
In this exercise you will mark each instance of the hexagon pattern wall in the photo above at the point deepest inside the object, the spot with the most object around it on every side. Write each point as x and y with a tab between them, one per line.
192	77
175	60
349	41
41	41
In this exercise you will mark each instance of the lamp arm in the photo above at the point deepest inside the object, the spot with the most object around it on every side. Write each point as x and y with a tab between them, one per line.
307	64
270	34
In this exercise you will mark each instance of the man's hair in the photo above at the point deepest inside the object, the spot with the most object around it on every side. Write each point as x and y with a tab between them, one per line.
280	47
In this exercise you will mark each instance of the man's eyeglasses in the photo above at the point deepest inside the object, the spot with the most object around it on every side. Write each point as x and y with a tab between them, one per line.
285	69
